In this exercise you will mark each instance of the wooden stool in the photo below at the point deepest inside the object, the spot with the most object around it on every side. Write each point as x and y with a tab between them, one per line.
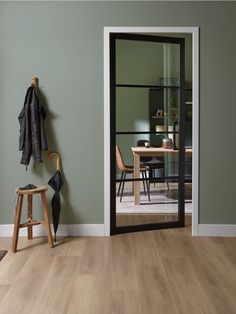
30	222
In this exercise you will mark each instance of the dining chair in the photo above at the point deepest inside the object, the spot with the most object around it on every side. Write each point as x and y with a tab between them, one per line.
152	163
129	169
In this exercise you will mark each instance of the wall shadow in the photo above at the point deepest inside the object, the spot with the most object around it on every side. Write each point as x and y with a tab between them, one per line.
47	168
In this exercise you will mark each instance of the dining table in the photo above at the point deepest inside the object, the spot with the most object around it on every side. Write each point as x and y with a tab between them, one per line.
142	151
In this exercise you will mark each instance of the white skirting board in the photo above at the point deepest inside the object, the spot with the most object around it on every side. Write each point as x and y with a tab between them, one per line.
74	230
211	230
97	230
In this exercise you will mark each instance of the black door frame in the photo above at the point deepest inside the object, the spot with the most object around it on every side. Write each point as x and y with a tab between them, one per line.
181	197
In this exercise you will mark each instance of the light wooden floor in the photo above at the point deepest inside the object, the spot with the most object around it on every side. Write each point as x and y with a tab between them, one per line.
154	272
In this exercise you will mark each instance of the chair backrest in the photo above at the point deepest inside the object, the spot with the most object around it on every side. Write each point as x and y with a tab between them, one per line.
119	159
141	142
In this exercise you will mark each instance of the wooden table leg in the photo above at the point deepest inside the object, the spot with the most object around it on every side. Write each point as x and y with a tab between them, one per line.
17	223
136	176
46	218
30	216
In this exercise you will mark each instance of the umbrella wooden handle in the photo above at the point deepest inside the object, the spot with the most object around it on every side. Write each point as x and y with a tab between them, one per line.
57	156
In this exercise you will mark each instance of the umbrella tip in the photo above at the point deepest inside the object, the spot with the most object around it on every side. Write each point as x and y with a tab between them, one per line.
55	238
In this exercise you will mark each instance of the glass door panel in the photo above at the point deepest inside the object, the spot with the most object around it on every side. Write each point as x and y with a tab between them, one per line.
147	133
157	188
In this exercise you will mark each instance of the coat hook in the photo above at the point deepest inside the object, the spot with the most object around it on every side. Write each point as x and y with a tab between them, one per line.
35	82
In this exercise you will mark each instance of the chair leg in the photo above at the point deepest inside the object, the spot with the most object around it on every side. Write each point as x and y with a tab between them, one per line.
118	193
148	186
167	182
144	183
153	175
122	188
148	182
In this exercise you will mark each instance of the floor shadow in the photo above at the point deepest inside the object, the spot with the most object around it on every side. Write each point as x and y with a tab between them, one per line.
63	240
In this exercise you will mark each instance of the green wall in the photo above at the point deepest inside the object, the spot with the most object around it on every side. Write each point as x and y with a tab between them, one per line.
62	43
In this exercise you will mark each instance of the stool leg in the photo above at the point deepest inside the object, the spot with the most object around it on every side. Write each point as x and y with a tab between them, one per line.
46	219
17	223
30	216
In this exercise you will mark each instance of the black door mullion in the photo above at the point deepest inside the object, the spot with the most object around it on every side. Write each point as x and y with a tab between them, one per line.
181	159
112	134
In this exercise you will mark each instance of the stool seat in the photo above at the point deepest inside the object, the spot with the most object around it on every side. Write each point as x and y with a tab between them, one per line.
39	189
30	222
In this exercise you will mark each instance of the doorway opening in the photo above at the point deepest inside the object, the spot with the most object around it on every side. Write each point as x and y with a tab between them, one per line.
146	95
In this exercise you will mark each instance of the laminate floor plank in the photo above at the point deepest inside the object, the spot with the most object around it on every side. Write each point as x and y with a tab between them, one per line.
3	290
217	277
153	272
24	292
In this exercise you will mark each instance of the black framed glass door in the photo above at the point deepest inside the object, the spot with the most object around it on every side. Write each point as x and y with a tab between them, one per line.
147	132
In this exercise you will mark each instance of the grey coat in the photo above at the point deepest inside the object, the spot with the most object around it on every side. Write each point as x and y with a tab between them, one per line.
32	135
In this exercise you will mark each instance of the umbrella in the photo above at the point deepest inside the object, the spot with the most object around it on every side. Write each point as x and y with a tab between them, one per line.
56	183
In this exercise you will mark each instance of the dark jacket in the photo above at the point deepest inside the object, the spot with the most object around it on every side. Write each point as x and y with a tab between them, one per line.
32	134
